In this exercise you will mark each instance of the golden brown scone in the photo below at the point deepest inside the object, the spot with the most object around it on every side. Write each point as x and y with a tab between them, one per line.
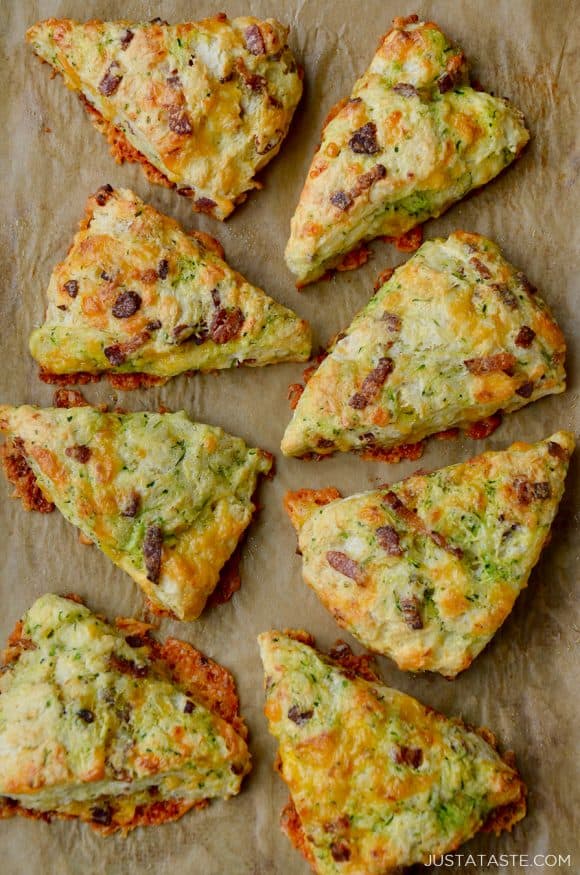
453	336
141	300
377	780
104	724
165	498
413	138
202	105
426	571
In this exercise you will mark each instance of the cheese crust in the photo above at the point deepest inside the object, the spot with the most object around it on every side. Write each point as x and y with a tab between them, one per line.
426	571
378	780
413	138
105	724
166	499
137	295
207	103
453	336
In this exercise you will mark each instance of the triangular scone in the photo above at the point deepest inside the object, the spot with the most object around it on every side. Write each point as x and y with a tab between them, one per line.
451	337
202	105
105	724
413	138
141	299
376	779
165	498
426	571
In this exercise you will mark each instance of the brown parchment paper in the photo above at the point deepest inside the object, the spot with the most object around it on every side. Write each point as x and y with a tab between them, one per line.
525	686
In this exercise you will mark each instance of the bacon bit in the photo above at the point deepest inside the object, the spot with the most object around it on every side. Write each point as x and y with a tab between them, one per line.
127	666
354	666
341	200
20	474
372	384
354	259
525	336
163	269
448	435
342	563
103	194
410	610
366	180
525	390
154	325
506	296
252	80
409	241
558	451
110	81
364	140
66	398
389	540
478	431
340	852
481	268
102	814
126	38
527	491
489	364
71	288
152	550
299	717
131	505
393	455
405	89
127	303
119	352
525	283
383	278
79	453
254	40
226	324
408	756
295	391
186	191
179	121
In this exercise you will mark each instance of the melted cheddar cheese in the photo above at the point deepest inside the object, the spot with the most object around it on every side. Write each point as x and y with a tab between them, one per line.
165	498
413	138
456	334
428	569
206	103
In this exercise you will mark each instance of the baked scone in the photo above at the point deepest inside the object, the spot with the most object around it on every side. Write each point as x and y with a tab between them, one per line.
426	571
165	498
377	780
451	337
105	724
142	300
413	138
203	105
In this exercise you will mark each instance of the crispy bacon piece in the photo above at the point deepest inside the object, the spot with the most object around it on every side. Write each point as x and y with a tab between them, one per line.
345	565
480	267
525	337
110	81
408	756
558	451
410	610
127	303
364	140
226	324
489	364
178	120
525	390
299	717
366	180
341	200
405	89
118	353
79	453
527	491
506	295
372	384
478	431
389	540
127	666
414	521
362	666
152	550
254	40
20	474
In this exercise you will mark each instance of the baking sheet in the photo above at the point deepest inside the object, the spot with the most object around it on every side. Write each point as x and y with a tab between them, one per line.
525	685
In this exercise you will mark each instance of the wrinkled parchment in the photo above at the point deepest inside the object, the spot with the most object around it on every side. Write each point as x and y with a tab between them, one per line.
525	685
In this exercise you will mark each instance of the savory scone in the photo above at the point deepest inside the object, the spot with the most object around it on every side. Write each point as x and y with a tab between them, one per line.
377	780
105	724
413	138
165	498
451	337
142	300
426	571
203	105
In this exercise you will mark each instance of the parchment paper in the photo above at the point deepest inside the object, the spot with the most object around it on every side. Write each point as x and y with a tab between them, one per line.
525	685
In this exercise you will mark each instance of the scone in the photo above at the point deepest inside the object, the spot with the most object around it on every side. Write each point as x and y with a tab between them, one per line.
377	780
413	138
141	300
426	571
452	337
104	724
203	105
166	499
